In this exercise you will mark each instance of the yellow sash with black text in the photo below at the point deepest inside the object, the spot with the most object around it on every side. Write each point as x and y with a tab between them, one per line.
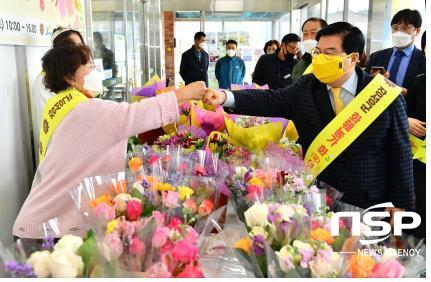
55	110
418	148
350	123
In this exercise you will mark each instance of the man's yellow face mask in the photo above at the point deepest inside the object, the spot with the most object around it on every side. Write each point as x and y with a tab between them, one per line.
328	68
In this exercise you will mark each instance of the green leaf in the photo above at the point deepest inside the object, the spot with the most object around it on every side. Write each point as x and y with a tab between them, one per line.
337	245
263	264
148	210
89	253
147	230
136	194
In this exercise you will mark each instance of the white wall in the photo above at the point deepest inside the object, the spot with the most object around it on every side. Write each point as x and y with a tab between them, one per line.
13	174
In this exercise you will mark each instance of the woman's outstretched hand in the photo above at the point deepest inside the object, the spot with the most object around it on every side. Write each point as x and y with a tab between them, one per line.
193	91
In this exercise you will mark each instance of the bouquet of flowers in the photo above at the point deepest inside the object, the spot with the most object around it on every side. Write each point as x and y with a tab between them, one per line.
266	184
254	138
66	257
288	241
187	137
129	223
149	89
232	155
153	247
209	121
251	121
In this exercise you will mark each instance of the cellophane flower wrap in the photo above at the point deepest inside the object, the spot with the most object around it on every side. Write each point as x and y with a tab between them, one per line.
68	256
209	121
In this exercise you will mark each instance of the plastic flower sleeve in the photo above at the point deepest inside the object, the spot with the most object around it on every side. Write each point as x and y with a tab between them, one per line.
217	256
206	226
207	120
13	263
94	199
221	254
415	265
282	159
332	196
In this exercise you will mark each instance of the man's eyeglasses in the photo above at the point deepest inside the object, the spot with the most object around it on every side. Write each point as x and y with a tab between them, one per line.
316	52
403	28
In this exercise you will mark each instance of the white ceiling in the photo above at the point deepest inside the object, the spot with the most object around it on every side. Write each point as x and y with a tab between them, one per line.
226	5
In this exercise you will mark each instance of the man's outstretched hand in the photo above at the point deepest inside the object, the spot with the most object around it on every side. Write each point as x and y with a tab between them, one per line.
215	97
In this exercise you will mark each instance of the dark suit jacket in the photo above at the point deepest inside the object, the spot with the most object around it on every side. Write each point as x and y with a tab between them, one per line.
417	65
376	168
191	70
273	71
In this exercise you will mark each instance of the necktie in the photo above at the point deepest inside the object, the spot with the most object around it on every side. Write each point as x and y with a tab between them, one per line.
338	103
395	65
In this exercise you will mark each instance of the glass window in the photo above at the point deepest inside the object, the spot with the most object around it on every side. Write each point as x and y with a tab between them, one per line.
304	16
358	15
314	11
117	45
284	26
109	49
335	10
251	37
296	21
184	33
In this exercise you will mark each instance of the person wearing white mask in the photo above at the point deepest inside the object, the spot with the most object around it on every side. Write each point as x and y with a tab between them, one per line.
39	93
82	136
309	31
195	61
403	62
230	69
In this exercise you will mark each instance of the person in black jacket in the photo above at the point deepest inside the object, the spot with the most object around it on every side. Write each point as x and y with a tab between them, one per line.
100	51
377	167
404	61
195	61
276	69
416	110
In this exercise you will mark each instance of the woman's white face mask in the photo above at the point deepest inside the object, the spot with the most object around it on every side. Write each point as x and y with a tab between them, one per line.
93	82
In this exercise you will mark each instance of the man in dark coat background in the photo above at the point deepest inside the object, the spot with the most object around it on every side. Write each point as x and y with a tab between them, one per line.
195	61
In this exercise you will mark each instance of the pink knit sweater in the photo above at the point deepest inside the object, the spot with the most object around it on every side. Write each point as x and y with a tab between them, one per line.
91	140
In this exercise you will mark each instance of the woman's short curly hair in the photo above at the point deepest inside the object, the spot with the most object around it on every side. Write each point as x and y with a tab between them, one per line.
62	62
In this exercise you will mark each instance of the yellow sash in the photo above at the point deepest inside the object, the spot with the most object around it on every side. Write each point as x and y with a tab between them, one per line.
350	123
55	110
308	70
418	148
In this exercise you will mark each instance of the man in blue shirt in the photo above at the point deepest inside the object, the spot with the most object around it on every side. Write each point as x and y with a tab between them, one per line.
404	61
230	69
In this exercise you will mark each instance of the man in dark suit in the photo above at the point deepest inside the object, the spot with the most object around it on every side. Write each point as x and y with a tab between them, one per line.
195	61
377	166
276	69
404	61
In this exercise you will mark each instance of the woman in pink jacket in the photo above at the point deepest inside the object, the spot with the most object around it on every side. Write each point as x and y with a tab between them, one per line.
84	137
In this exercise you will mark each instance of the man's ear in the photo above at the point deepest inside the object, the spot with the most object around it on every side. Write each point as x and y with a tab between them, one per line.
418	31
355	58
